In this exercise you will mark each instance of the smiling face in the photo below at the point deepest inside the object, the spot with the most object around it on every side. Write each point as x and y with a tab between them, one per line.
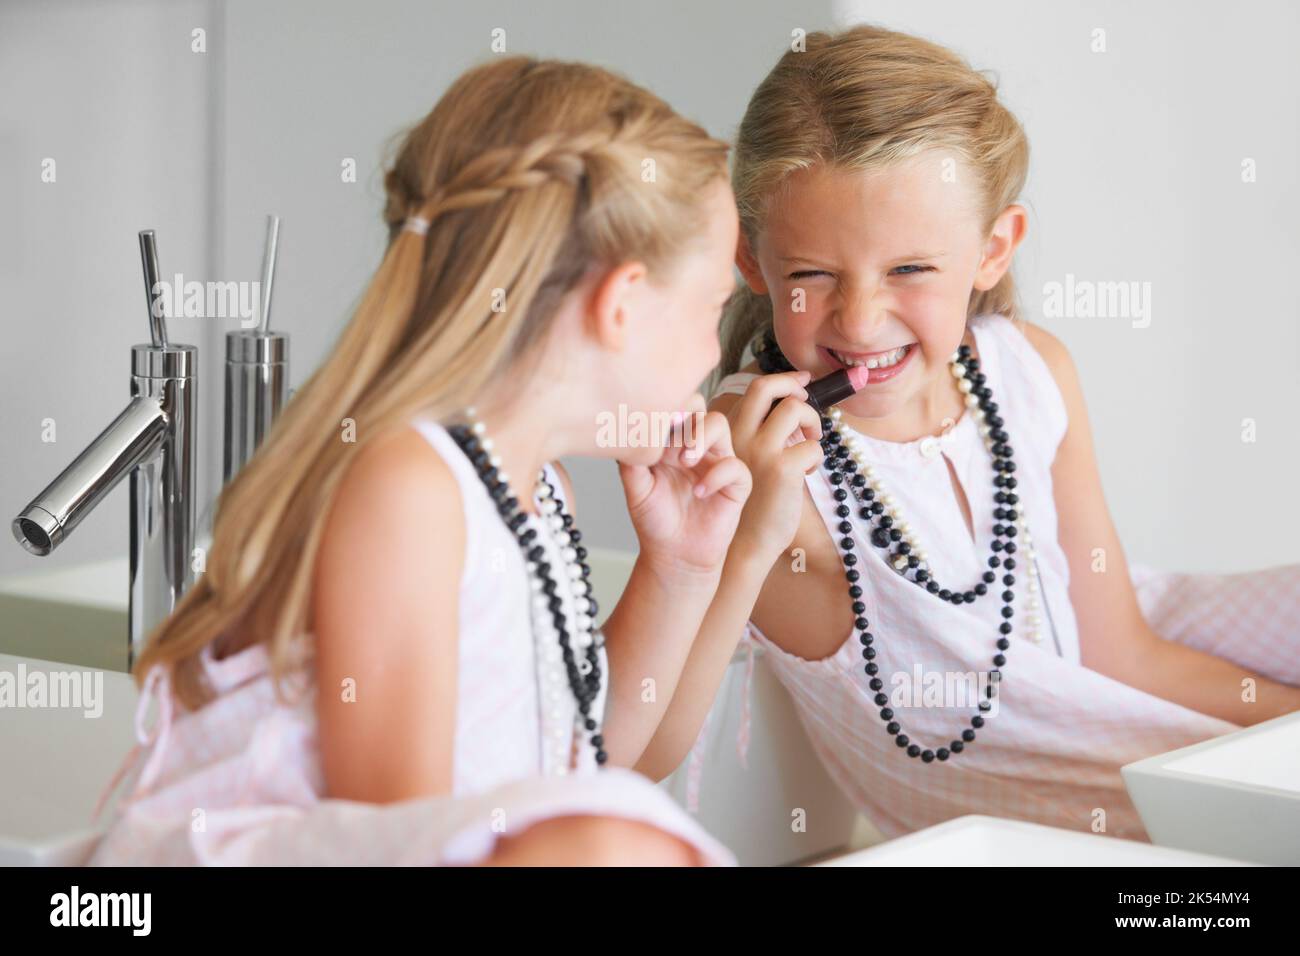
877	268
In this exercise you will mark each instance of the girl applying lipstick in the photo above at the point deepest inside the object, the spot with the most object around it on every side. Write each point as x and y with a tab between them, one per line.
910	550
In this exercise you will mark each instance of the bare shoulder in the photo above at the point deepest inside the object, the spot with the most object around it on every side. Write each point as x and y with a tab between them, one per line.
396	487
1112	631
1054	353
396	491
725	401
384	617
398	462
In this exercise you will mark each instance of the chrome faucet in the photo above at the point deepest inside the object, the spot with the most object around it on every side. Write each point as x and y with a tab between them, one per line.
153	440
257	373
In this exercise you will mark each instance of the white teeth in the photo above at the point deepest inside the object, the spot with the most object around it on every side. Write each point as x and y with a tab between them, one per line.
884	361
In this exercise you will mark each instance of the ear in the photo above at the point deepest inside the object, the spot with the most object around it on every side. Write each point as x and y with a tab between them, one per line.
1008	230
748	266
612	303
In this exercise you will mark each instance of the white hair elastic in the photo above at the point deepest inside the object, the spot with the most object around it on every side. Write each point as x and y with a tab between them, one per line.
416	224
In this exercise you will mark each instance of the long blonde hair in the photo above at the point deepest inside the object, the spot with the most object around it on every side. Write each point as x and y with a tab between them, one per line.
862	99
529	173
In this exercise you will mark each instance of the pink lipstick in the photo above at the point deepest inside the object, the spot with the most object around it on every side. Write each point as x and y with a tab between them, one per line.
834	388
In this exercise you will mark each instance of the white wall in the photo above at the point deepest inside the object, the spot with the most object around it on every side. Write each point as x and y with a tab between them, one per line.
201	147
312	82
1136	176
113	94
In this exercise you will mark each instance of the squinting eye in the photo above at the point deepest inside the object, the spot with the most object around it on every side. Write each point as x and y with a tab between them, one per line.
917	268
808	272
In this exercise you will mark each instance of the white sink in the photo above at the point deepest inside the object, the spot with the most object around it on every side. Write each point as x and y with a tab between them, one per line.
1238	794
76	615
976	840
56	761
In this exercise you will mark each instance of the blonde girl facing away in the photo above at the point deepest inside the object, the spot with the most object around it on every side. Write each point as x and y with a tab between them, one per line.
943	591
393	656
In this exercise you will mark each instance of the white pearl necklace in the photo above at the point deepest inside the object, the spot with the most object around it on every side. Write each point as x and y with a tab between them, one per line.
1033	619
562	722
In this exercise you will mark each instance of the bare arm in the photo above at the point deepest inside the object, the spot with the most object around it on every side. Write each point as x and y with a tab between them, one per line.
646	667
384	610
724	623
657	603
767	527
386	621
1115	639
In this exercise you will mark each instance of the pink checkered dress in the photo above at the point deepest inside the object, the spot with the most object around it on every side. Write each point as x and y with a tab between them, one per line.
1053	751
239	781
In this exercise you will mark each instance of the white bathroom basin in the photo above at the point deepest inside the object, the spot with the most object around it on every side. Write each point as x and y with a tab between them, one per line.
55	762
76	614
1237	795
976	840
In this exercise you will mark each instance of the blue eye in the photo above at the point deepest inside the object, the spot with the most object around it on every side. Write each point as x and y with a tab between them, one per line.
908	270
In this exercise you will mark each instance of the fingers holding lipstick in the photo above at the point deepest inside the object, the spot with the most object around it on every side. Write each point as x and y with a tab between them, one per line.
756	404
806	455
792	417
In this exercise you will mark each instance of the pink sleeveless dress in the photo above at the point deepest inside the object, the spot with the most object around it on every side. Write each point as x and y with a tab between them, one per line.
239	781
1053	751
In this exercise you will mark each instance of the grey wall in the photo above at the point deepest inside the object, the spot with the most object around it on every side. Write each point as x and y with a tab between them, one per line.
1136	176
202	146
311	83
112	93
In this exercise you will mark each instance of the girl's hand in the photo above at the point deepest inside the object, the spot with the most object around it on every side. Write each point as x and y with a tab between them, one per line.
685	508
780	449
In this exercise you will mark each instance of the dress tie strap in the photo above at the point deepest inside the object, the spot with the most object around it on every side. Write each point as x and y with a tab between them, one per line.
158	681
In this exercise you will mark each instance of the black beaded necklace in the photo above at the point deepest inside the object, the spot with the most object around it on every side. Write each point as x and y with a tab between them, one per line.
584	675
842	472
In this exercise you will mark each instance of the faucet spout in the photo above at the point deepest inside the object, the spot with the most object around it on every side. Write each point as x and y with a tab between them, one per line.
134	437
153	441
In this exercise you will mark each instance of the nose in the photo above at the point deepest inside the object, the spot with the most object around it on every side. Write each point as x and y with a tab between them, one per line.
863	313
